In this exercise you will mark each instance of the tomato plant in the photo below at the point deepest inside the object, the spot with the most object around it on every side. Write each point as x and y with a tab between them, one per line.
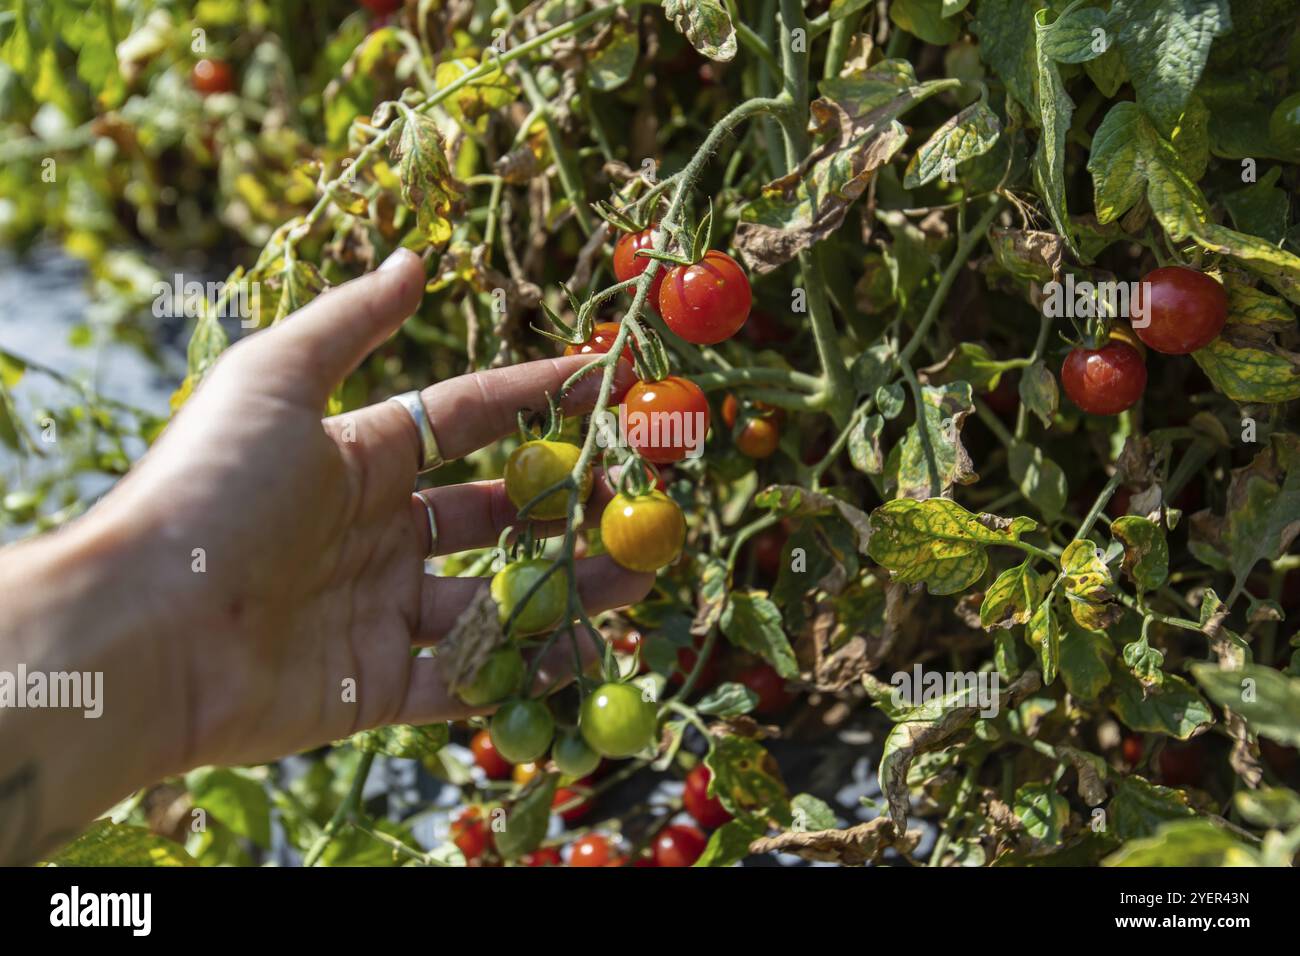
212	76
1184	310
542	611
485	755
708	811
499	677
572	756
601	341
571	804
592	850
770	687
628	265
679	844
469	831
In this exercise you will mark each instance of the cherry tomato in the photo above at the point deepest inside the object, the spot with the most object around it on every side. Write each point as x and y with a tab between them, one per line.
759	438
522	730
708	811
493	764
1181	765
707	302
591	850
1284	124
382	7
679	844
602	338
616	721
1132	749
627	264
524	772
764	681
644	533
1104	381
666	419
212	76
686	658
1183	310
499	677
469	832
544	611
629	642
537	465
574	812
731	410
769	547
542	856
572	756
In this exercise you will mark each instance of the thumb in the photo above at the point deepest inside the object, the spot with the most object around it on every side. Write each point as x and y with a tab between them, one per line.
315	348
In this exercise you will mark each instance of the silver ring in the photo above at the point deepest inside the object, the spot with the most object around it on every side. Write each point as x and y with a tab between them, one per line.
433	523
430	456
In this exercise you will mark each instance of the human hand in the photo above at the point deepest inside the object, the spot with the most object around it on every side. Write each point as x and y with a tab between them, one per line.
312	543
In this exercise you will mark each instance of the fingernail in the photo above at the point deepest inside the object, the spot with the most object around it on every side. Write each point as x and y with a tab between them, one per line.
396	259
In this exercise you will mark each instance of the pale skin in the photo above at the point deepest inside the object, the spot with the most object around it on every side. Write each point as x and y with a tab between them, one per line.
312	557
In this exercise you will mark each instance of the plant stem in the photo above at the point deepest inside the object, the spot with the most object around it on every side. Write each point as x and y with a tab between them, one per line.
345	810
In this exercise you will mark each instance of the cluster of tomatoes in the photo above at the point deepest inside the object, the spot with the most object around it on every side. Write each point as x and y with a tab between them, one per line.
1183	310
675	845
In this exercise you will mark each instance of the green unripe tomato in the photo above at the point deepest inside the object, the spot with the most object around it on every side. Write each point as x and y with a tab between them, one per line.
536	465
572	756
545	609
521	730
616	721
1284	124
499	677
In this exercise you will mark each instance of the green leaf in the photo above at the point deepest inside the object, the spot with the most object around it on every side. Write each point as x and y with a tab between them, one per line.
707	26
106	843
931	455
971	362
730	842
1087	582
1073	37
1268	699
938	542
811	814
1273	807
1164	45
1085	661
1185	843
1261	208
1039	479
746	780
753	622
1013	596
1044	635
297	282
1248	366
1146	552
1140	808
527	819
970	133
727	700
1056	109
427	183
865	453
1174	708
1008	43
891	399
1039	392
403	740
235	798
1043	811
613	64
924	19
477	100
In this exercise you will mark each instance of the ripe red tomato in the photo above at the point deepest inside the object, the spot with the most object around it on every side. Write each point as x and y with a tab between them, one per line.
679	844
764	681
1104	381
1186	310
542	856
666	419
644	533
707	302
603	335
629	642
627	264
212	76
469	831
1132	749
382	7
493	764
759	438
563	795
731	410
708	811
686	658
592	850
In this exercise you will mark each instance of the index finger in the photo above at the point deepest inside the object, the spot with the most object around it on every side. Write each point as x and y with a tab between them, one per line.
470	411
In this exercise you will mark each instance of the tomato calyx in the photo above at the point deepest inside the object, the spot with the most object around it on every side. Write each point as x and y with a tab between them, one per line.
700	242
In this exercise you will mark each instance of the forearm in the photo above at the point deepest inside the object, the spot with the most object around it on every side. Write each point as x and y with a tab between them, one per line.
87	709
